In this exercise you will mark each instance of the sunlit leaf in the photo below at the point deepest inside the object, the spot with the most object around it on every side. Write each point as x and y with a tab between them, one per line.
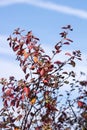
25	54
42	72
35	59
33	100
26	90
17	128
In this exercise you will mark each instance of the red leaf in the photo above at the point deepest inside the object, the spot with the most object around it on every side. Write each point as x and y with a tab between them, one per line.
16	48
66	43
69	40
63	34
24	69
36	128
68	54
26	76
54	109
21	52
27	91
83	83
57	47
42	72
17	104
80	104
45	81
16	31
5	103
12	103
30	47
22	97
32	67
57	62
8	92
35	38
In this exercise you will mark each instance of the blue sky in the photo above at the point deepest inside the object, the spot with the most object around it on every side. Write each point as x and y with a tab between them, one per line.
45	18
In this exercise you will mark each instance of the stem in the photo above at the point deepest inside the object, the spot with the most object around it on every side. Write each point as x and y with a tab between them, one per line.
72	111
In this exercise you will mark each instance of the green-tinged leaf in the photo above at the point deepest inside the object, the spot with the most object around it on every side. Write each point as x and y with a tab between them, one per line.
66	82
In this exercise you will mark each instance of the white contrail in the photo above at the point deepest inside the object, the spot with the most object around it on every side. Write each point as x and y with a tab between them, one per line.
50	6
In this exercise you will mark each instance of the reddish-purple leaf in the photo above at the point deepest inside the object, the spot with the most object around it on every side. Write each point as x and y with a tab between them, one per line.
16	48
12	103
26	76
66	43
69	40
17	103
58	62
5	103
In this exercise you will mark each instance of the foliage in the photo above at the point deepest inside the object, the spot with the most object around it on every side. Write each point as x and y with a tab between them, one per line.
38	102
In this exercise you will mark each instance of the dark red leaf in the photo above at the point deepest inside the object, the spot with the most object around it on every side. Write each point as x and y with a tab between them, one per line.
16	48
24	69
68	27
3	89
83	83
69	40
17	103
64	27
63	34
26	76
57	62
66	43
36	38
57	47
10	44
5	103
12	103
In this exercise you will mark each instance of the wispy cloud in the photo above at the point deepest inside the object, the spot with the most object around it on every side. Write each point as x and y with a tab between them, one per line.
10	68
50	6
